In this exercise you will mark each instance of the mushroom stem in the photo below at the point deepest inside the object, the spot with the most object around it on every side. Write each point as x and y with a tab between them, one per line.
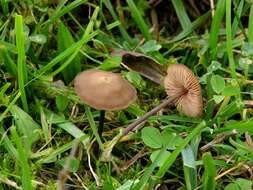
101	123
133	125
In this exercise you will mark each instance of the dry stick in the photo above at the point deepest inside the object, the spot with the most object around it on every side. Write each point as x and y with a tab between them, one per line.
96	177
133	125
229	170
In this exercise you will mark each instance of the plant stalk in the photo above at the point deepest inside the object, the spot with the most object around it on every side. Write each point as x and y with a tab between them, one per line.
100	131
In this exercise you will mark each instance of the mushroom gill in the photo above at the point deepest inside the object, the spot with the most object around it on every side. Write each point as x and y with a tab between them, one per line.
183	86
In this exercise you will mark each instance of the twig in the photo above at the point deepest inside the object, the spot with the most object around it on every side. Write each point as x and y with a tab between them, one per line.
8	182
130	162
97	179
212	7
80	181
217	140
229	170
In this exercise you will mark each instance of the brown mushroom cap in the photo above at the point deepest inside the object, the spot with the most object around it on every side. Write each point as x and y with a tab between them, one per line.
182	84
104	90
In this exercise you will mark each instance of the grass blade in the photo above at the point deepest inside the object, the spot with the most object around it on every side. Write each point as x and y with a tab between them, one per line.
208	180
73	48
68	126
238	14
181	14
26	125
163	169
5	6
53	155
11	67
241	126
229	39
195	24
122	30
139	20
26	177
93	126
250	25
7	144
190	172
2	116
22	73
60	12
65	39
215	28
74	54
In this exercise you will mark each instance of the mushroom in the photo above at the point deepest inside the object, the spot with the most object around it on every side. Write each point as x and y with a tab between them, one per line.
183	90
104	90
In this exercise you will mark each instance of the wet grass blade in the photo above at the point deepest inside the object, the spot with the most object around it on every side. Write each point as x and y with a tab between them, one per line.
2	116
22	73
237	17
141	24
26	176
168	163
208	180
53	155
62	10
67	125
64	40
122	30
7	144
229	39
93	127
241	126
215	28
26	125
181	14
10	66
250	25
195	24
5	6
74	54
73	48
190	172
164	168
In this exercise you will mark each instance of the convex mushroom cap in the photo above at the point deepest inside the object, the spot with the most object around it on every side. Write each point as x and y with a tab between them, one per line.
183	85
104	90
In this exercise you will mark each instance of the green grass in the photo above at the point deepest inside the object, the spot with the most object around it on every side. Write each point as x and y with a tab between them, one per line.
48	135
21	67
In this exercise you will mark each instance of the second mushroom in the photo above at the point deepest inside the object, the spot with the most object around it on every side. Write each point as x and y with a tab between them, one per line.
104	90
